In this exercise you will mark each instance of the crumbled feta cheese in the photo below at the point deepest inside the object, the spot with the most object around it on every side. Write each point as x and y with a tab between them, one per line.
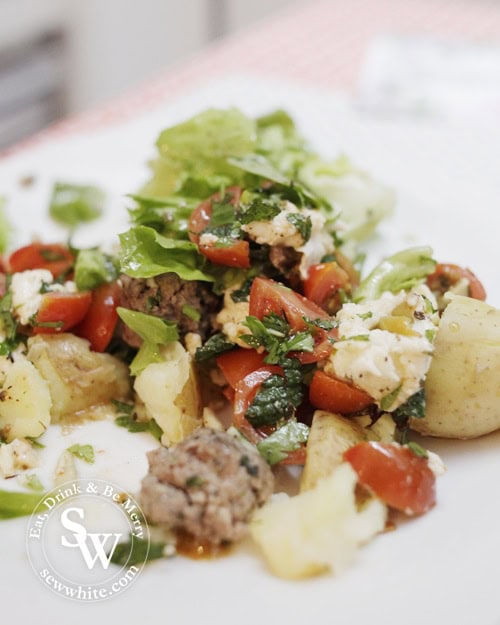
320	243
385	345
207	238
26	289
26	297
192	341
231	318
16	456
279	231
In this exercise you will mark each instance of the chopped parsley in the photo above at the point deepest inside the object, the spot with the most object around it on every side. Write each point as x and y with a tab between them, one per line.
127	419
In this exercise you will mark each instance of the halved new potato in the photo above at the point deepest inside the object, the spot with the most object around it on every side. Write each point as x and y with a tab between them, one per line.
462	388
25	401
169	391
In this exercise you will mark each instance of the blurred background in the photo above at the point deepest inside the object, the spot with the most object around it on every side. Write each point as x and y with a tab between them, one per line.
438	58
62	56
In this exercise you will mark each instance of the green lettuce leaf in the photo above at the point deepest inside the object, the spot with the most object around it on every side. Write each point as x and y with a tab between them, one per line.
93	268
145	253
401	271
73	204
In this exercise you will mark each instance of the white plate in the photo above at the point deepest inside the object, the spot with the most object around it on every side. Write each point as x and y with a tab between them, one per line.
443	567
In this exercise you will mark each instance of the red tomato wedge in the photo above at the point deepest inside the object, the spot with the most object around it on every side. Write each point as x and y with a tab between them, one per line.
395	474
55	257
59	312
446	275
324	281
236	364
334	395
234	254
99	323
268	296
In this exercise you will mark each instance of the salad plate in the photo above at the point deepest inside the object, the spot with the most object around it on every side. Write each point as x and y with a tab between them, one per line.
441	567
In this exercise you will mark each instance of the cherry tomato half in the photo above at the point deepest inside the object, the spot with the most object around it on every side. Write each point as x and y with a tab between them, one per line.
323	283
238	363
268	296
395	474
334	395
55	257
233	254
446	275
99	323
59	312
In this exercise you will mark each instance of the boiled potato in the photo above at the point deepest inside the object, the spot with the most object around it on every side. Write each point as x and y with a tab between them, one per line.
318	530
25	402
78	378
462	388
331	434
169	391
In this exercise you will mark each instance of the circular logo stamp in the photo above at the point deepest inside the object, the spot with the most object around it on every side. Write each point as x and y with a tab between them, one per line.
87	540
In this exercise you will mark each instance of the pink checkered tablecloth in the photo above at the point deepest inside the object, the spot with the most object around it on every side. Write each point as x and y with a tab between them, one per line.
317	43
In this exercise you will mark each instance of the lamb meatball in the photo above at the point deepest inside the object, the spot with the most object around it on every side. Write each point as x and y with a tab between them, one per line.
167	296
206	486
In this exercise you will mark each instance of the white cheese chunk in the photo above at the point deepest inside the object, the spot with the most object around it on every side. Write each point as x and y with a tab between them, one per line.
380	361
26	287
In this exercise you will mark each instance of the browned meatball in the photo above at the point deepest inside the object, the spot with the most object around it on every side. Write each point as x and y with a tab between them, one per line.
190	303
207	486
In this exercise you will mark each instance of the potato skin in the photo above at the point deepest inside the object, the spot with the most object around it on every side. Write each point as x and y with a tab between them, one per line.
462	388
78	378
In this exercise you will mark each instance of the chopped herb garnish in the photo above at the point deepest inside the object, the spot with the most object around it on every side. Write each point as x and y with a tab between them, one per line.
417	449
387	401
84	452
194	481
275	335
278	396
302	223
136	551
260	210
127	419
215	345
289	437
32	482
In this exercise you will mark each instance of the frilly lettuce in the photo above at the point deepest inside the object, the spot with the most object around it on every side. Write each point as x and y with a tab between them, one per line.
220	148
401	271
